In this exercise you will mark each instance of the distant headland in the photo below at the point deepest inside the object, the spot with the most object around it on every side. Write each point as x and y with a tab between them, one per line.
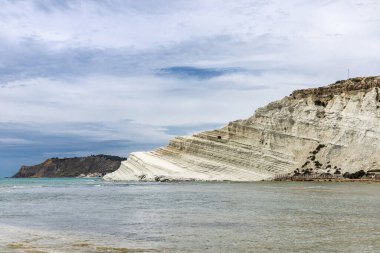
89	166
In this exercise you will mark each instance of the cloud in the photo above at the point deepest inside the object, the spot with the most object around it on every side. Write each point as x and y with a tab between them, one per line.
124	38
8	141
54	5
181	130
31	57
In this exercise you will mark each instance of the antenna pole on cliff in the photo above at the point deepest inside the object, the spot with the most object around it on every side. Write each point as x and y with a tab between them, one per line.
348	74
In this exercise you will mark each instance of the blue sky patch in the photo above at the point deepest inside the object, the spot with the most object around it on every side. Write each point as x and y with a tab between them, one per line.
184	72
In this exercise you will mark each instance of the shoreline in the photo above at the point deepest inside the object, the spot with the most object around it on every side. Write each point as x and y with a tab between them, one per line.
288	179
336	180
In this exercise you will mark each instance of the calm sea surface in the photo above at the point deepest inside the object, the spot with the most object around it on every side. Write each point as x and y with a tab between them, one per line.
89	215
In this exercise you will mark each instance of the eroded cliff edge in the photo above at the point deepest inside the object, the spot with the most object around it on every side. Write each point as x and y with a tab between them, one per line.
336	127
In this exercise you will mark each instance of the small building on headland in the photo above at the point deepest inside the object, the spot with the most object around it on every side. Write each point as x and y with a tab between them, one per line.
374	174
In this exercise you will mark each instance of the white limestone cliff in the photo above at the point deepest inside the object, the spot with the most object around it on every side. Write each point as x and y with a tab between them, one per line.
323	129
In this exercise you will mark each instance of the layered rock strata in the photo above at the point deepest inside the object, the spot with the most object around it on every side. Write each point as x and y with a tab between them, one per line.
326	129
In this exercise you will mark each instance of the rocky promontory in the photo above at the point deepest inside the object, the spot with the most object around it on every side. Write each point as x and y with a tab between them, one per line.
332	129
90	166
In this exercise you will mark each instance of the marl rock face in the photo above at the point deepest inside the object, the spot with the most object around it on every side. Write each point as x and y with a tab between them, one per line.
336	127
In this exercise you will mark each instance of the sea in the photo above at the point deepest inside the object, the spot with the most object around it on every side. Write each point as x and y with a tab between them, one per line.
91	215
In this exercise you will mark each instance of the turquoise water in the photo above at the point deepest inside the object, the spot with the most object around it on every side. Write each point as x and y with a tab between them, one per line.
89	215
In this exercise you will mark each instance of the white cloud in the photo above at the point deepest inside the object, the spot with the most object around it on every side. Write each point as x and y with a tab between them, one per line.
13	141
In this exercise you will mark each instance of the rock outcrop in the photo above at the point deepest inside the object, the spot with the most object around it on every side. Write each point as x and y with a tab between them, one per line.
326	129
95	165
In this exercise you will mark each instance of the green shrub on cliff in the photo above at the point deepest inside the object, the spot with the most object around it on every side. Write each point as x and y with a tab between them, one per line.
355	175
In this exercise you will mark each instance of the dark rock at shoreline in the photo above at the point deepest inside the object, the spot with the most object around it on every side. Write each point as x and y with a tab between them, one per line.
71	167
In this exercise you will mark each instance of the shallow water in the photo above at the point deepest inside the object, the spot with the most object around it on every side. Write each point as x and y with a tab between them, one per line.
89	215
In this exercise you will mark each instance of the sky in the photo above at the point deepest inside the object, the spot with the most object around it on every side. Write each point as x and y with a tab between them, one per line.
116	76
